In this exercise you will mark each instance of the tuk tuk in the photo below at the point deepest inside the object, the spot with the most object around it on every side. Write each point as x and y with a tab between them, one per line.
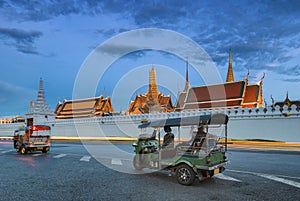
32	138
203	156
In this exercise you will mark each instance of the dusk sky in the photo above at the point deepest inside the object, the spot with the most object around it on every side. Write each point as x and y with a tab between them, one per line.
52	39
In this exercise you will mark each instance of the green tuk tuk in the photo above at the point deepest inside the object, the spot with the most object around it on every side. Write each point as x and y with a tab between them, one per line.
203	156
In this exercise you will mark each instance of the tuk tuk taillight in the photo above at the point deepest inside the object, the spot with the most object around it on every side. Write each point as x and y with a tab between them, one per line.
208	160
30	144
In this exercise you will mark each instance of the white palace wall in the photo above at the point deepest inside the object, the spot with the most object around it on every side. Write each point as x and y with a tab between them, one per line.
268	124
244	123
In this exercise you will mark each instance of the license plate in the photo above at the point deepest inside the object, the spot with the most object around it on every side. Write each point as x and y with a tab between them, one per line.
216	171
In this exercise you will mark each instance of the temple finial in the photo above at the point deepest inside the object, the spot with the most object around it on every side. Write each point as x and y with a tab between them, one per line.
247	76
186	87
263	76
260	98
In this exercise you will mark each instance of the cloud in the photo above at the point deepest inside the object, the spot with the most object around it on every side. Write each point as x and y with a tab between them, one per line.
292	71
259	33
20	35
23	10
291	80
22	40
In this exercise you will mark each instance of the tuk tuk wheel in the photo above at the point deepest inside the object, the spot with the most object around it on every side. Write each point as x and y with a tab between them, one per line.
45	149
136	163
185	174
23	150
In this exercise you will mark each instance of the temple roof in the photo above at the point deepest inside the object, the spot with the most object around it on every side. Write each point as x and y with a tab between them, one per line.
152	101
218	95
224	95
88	107
181	100
230	94
287	102
251	93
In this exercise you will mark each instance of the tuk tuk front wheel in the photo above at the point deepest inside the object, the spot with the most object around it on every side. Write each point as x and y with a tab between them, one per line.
185	174
23	150
137	163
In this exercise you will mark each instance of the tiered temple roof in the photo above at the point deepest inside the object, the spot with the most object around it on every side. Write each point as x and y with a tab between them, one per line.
231	94
89	107
287	102
152	101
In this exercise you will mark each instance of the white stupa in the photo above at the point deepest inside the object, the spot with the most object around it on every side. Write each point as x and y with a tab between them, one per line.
40	111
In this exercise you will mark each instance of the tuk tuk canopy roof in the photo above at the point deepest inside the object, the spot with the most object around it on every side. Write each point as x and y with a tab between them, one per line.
39	128
34	128
214	119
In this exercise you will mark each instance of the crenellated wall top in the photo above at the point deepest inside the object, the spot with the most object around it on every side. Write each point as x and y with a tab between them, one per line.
269	112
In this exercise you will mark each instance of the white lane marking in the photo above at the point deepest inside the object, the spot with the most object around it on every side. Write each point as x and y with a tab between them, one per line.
3	152
272	177
59	156
225	177
116	161
285	181
255	173
36	154
85	158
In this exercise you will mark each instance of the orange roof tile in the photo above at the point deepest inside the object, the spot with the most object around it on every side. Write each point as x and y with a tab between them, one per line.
251	93
83	108
215	96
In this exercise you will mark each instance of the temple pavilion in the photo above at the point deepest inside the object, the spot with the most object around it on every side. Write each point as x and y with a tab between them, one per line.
231	94
287	102
81	108
152	101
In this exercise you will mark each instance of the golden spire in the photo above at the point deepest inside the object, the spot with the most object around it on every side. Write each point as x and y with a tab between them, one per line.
230	77
153	90
186	87
287	100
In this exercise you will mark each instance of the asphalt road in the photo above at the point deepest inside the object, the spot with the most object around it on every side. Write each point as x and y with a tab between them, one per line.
103	171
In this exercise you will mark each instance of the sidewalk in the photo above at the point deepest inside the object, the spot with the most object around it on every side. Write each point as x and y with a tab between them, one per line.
262	145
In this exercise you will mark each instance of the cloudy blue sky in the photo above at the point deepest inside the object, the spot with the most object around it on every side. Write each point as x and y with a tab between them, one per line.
51	40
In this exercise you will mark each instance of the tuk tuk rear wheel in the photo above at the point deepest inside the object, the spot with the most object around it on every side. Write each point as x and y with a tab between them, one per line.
23	150
185	175
45	149
136	163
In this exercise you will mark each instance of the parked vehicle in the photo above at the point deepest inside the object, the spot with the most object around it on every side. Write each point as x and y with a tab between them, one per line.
32	138
203	156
